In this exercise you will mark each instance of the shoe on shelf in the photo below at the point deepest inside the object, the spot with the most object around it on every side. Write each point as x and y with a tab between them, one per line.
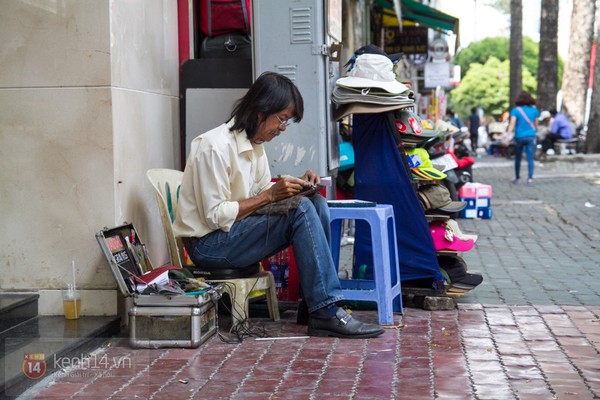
342	325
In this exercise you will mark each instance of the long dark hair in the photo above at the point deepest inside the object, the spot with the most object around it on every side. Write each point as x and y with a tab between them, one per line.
269	94
524	99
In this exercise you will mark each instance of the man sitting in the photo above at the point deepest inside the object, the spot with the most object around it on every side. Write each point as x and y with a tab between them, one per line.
560	129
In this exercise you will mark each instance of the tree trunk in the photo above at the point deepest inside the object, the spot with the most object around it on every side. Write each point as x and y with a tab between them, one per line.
548	56
516	49
593	131
577	71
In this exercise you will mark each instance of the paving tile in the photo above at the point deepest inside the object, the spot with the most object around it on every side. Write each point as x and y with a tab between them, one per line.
556	367
137	391
576	351
209	391
514	372
307	366
264	386
494	392
414	363
452	370
335	387
532	390
342	374
63	390
573	391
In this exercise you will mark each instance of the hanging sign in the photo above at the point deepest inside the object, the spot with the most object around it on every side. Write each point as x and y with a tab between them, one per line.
437	74
412	40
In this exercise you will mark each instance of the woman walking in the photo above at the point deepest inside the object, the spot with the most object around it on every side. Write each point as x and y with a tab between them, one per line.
523	128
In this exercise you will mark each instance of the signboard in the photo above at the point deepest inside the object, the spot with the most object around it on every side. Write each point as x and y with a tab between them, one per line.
437	74
412	40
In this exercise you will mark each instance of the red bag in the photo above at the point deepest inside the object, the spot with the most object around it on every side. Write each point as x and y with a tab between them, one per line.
218	17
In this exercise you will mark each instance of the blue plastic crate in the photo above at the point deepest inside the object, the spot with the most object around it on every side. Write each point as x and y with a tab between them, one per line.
484	212
476	208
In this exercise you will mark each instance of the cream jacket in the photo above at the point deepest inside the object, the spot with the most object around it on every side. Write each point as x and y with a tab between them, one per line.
223	168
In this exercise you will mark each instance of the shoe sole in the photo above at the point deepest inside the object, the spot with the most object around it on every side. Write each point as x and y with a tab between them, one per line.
326	333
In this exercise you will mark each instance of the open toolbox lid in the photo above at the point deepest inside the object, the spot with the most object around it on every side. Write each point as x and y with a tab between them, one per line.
127	258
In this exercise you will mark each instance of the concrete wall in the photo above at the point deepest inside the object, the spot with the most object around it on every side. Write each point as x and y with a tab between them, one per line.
89	100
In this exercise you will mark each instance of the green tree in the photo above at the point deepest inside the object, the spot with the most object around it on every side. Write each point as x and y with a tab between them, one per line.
479	52
487	86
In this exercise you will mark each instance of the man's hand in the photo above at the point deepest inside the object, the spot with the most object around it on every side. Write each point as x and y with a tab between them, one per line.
311	177
287	186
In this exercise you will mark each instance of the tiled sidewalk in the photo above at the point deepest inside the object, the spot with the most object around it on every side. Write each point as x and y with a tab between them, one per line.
473	352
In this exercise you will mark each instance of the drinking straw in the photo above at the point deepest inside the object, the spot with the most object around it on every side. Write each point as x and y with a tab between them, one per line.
74	288
73	268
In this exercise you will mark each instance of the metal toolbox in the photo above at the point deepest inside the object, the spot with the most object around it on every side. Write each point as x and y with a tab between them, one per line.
155	327
156	320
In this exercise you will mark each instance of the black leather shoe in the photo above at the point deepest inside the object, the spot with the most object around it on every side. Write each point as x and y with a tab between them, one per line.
343	325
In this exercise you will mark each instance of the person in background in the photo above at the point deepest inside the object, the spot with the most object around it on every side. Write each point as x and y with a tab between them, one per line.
227	180
453	119
543	129
543	125
560	128
497	133
523	129
473	124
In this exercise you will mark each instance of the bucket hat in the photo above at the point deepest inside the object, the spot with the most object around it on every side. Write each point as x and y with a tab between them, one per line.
437	197
373	71
419	161
444	238
363	108
344	95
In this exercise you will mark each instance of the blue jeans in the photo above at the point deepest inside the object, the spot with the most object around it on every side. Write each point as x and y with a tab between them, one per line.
257	237
527	144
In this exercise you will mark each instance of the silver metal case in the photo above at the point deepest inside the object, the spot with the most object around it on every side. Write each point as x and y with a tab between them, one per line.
156	320
156	327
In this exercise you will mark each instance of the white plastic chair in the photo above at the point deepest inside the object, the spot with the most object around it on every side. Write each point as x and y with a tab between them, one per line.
166	183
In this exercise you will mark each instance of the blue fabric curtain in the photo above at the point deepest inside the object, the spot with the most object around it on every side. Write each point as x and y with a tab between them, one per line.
380	176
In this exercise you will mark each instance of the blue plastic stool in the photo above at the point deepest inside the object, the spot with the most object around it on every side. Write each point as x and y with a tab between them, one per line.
385	289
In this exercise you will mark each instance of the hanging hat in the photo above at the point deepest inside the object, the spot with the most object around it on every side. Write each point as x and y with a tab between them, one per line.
373	71
418	159
437	197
